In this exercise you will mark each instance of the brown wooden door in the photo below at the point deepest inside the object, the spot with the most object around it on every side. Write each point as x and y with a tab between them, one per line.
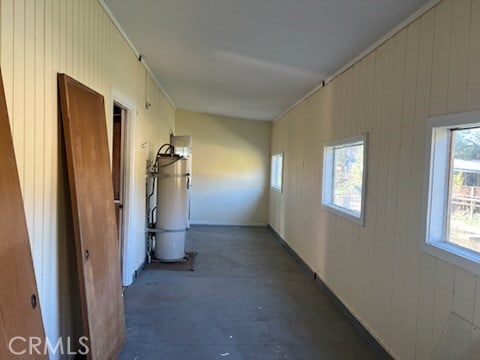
19	306
95	228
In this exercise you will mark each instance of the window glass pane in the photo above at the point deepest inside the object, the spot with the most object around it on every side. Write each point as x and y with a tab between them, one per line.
273	171
183	151
347	177
279	171
276	171
464	195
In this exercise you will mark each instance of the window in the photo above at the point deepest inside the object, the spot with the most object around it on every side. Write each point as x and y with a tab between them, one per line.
344	176
453	189
277	172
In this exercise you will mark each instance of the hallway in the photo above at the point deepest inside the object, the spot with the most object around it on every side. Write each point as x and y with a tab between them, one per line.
246	299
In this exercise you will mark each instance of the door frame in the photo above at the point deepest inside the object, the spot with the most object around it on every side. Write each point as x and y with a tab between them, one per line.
128	106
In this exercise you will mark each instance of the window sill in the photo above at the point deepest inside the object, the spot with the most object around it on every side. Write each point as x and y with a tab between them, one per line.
345	213
454	255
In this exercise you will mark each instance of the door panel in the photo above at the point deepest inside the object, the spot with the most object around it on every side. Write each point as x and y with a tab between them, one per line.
95	227
19	306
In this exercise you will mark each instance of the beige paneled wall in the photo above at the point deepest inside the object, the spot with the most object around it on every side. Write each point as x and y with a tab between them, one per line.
38	39
231	167
401	294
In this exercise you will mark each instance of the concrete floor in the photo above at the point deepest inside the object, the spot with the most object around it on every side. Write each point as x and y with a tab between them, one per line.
246	299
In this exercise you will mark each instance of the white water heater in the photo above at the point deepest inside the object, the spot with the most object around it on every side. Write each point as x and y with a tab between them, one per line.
171	207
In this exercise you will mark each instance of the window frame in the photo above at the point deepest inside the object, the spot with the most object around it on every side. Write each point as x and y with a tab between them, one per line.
437	189
328	175
282	157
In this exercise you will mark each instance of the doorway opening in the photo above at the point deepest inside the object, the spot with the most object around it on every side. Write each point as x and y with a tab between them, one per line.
118	171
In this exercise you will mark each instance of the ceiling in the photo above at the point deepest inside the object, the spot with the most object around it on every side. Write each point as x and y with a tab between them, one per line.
252	59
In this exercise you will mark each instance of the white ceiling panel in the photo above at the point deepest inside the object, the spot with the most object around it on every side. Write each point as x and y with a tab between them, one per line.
252	58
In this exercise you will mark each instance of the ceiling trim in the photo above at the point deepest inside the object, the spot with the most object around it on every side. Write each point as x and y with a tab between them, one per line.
137	53
414	16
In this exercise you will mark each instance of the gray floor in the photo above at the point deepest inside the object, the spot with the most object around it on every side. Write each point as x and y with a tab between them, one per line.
246	299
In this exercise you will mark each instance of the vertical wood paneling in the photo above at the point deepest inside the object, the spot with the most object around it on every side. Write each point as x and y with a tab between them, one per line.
75	38
473	77
62	17
372	186
441	57
476	312
343	226
334	221
394	124
39	38
418	335
355	124
38	131
50	236
7	14
443	303
381	242
355	285
425	310
81	36
405	158
412	258
366	239
456	101
464	294
48	116
460	34
18	106
29	125
69	42
402	295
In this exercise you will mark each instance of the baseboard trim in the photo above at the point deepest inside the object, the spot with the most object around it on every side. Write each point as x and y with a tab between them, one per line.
208	223
348	314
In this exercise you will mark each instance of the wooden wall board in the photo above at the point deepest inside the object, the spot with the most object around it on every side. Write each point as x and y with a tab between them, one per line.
91	191
20	313
402	295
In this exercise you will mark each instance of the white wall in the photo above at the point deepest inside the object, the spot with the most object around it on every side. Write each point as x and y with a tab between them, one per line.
231	168
401	294
38	39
